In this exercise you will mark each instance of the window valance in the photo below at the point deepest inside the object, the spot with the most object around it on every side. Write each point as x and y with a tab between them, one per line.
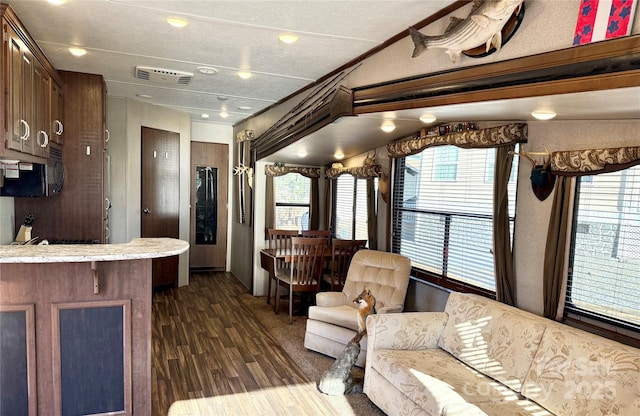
594	161
360	172
490	137
273	170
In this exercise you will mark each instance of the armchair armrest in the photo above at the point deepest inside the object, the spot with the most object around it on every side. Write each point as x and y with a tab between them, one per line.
405	331
390	309
329	299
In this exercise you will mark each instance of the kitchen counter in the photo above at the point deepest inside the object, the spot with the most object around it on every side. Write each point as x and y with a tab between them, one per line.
138	248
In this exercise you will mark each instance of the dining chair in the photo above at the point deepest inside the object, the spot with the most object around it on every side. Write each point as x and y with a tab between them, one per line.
326	234
279	240
301	273
341	253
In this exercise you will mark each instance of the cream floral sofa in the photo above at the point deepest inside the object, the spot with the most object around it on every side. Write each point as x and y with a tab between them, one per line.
482	357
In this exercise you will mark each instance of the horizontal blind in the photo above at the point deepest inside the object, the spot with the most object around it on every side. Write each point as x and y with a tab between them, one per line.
344	203
605	254
443	213
292	194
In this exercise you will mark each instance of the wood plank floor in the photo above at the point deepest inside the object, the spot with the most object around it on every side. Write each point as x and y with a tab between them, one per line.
211	357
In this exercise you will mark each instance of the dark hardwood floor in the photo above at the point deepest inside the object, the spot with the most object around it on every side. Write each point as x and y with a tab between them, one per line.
211	357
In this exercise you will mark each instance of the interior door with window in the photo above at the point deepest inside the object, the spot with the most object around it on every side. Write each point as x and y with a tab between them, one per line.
209	200
160	208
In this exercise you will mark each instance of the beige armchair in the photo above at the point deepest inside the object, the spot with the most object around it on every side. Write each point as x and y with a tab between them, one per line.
333	321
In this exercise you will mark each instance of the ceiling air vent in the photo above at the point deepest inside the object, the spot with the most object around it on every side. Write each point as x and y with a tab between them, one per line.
163	76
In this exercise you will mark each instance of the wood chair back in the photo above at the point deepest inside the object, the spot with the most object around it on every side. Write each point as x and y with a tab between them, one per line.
325	234
341	253
306	262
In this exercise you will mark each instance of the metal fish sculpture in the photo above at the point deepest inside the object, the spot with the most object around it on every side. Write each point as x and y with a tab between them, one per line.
483	26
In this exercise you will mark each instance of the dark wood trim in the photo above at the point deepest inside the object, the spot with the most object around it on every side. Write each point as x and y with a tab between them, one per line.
597	66
601	331
450	284
424	22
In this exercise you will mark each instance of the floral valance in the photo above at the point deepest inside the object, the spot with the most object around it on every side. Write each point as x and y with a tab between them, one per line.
490	137
594	161
360	172
273	170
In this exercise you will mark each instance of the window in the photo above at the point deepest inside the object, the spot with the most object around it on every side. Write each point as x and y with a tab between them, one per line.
604	269
292	194
350	207
443	217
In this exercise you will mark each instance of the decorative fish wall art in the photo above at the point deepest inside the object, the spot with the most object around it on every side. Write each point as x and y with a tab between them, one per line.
483	26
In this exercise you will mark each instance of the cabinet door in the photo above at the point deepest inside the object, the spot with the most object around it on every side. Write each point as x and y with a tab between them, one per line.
27	76
17	124
18	360
42	108
56	131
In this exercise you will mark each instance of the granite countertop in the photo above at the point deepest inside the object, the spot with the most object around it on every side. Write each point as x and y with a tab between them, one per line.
138	248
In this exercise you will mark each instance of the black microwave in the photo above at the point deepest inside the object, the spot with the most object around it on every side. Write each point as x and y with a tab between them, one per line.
35	179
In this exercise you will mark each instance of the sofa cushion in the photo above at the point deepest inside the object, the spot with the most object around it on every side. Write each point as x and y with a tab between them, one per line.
433	380
576	373
496	339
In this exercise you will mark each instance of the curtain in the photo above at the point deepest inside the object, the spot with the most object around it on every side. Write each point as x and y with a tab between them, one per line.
502	253
554	275
372	215
270	207
328	205
314	208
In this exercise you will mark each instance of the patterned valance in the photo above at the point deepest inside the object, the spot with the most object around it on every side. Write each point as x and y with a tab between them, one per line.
244	136
360	172
272	170
594	161
483	138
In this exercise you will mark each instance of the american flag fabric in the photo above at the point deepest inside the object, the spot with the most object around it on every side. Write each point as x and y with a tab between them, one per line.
603	19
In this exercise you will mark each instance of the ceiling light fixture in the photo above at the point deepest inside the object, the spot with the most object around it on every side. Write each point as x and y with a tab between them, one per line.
177	22
244	74
543	115
224	114
222	98
245	107
388	126
204	116
143	96
207	70
57	2
76	51
427	118
288	38
338	155
302	153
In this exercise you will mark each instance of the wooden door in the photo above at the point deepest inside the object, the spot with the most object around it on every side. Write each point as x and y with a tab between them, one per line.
161	196
209	200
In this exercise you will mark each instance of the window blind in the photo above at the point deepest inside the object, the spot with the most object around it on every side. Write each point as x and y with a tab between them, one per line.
604	278
350	208
442	218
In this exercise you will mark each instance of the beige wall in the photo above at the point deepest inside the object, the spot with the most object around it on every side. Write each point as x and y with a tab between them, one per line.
548	25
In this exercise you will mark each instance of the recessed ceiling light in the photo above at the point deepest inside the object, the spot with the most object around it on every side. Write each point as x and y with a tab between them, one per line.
75	51
302	153
177	22
143	95
244	74
224	114
543	115
222	98
204	116
244	107
288	38
338	155
427	118
207	70
57	2
388	126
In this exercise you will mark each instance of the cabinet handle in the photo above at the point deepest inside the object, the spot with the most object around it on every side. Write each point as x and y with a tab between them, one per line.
107	203
46	138
27	130
146	211
59	127
107	136
108	232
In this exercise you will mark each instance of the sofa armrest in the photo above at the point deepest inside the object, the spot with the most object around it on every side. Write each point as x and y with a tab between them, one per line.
405	331
330	299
